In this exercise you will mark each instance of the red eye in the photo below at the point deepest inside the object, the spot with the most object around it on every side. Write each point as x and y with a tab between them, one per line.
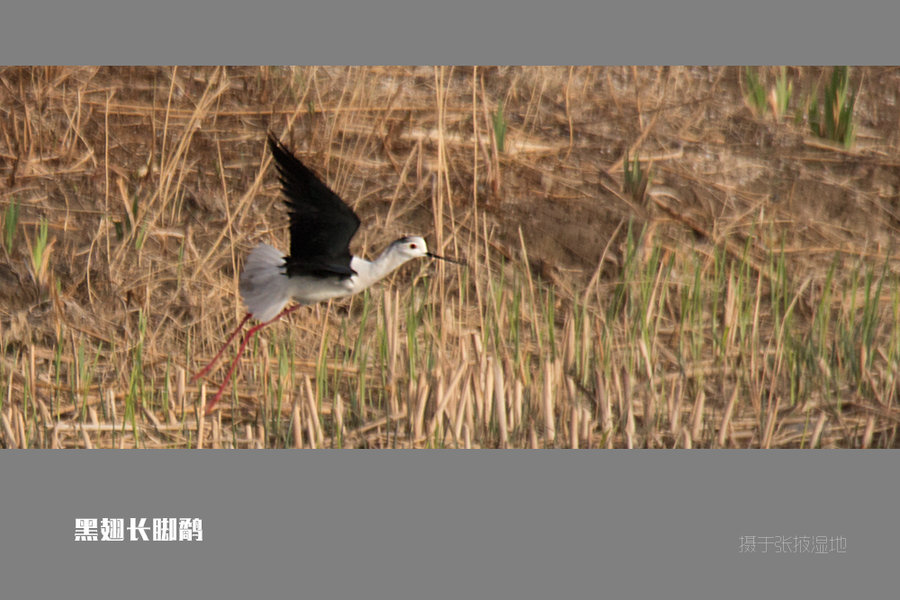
412	246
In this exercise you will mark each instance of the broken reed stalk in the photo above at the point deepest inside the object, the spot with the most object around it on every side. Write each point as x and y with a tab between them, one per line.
500	397
549	416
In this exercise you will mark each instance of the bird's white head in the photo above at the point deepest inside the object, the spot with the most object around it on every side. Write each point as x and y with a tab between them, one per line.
398	253
411	247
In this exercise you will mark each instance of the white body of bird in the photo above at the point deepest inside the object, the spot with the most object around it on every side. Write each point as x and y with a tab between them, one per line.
266	287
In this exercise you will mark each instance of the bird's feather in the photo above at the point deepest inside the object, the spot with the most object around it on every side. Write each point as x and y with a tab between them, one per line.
264	287
321	223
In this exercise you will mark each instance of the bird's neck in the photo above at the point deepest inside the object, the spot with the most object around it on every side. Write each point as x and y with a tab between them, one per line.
369	272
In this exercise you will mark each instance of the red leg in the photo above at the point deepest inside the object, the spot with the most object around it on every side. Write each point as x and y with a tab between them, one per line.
234	363
225	345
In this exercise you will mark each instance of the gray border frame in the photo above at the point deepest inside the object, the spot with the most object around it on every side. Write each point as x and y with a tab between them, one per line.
477	524
458	32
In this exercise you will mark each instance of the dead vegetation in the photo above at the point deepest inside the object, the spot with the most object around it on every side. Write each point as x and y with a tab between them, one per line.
747	297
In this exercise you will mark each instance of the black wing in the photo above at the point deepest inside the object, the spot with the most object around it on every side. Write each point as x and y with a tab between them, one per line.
321	223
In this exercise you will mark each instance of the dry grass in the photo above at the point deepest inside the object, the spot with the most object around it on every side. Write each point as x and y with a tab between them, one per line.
749	299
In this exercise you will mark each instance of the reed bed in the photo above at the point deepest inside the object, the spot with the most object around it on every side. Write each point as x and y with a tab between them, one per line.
654	261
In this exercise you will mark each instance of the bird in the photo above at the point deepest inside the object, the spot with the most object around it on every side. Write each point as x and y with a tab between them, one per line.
320	265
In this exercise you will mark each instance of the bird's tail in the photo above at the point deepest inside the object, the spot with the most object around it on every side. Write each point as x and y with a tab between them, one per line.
265	286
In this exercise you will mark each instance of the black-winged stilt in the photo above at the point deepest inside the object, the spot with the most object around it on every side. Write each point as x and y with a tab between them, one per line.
320	265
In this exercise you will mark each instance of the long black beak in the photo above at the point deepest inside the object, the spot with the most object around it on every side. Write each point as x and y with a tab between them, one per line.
452	260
